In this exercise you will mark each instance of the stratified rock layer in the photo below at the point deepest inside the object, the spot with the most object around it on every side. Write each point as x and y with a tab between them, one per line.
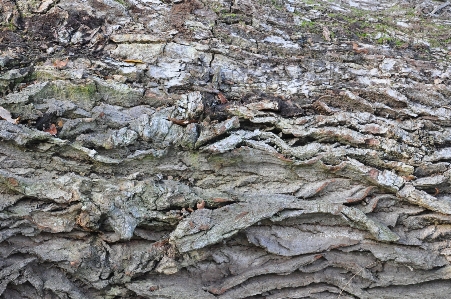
225	149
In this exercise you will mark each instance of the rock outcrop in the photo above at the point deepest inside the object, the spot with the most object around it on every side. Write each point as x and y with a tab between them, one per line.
225	149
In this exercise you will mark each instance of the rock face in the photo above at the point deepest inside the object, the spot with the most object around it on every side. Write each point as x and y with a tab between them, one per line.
225	149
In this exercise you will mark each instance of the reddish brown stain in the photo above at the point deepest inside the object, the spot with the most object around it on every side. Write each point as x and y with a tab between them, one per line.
200	205
323	186
356	49
204	227
373	173
216	291
358	199
181	122
283	158
219	200
222	98
372	142
409	177
13	182
436	191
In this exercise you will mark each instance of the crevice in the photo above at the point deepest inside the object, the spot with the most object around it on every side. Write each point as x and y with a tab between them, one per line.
20	19
248	125
163	51
211	62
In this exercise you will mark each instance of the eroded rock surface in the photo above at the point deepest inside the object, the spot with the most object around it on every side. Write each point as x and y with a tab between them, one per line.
225	149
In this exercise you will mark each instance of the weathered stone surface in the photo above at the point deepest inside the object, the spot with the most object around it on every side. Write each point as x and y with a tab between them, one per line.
225	149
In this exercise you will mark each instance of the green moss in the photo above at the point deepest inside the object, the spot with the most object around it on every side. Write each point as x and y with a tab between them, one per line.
85	94
122	2
410	13
398	43
43	74
379	27
231	15
82	91
307	24
332	15
358	13
11	26
332	35
8	26
363	35
310	2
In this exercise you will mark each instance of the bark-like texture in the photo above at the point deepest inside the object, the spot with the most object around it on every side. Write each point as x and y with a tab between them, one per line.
225	149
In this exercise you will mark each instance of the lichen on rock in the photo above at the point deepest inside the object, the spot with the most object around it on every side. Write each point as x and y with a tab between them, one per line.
224	149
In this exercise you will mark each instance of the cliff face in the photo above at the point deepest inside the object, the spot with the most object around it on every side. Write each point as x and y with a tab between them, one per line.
225	149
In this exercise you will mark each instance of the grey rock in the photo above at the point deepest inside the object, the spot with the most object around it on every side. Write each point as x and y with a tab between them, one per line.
225	149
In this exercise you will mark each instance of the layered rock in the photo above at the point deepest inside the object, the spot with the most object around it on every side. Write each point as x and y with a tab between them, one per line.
224	149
